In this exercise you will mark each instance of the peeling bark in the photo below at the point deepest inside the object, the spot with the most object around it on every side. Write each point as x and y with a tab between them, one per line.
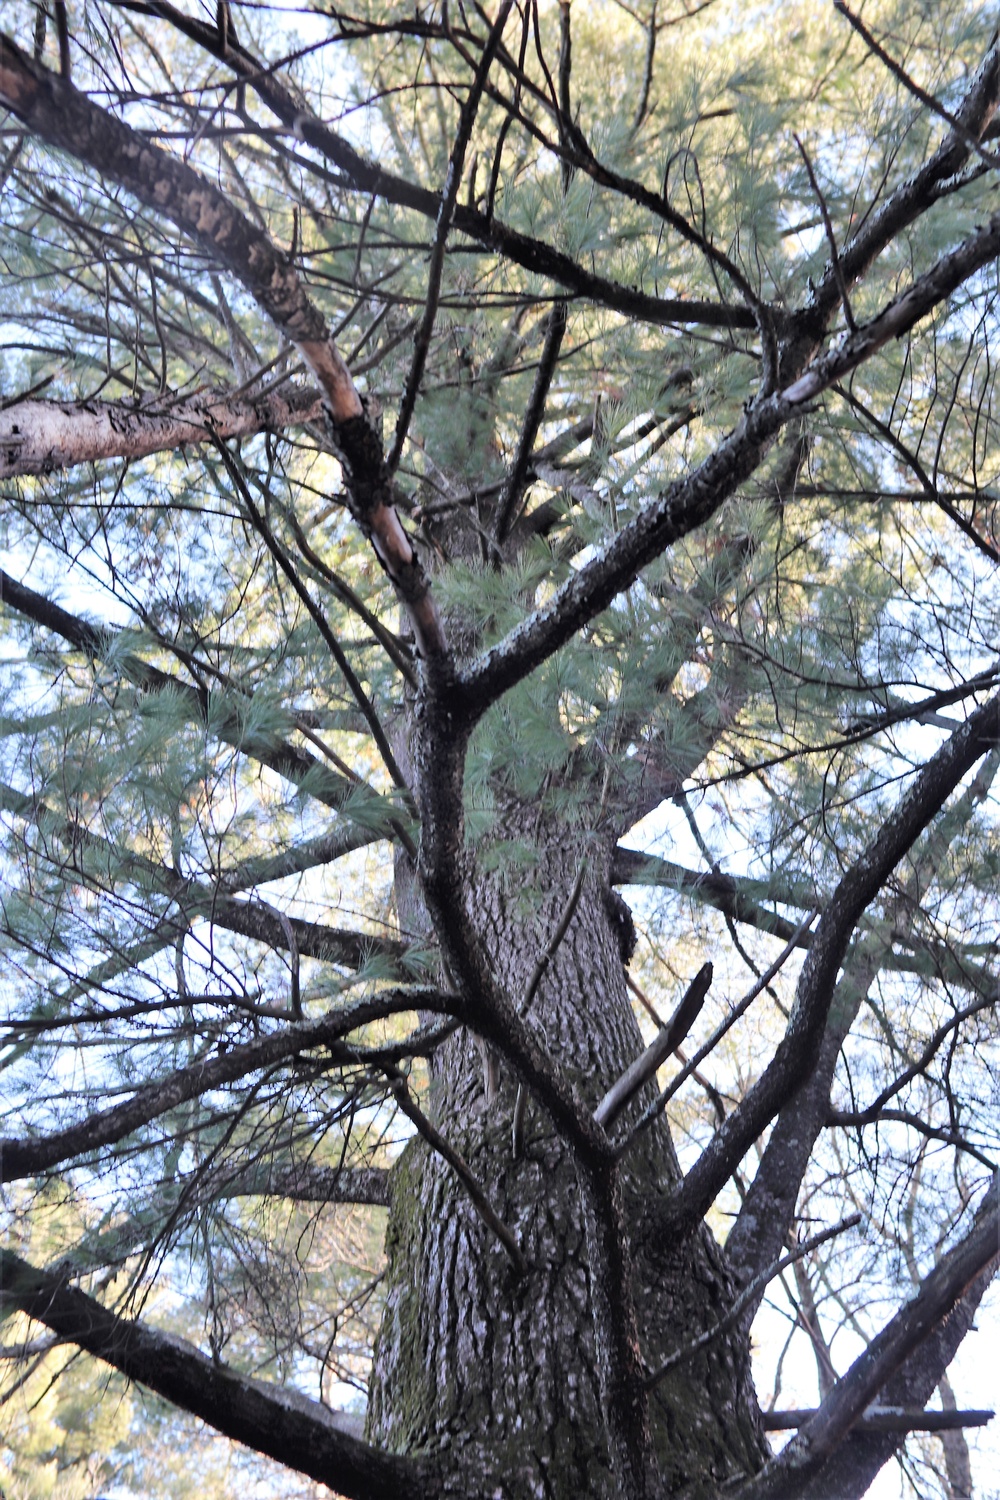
43	437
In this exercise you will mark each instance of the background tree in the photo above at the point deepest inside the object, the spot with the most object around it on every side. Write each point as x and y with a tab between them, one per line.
458	463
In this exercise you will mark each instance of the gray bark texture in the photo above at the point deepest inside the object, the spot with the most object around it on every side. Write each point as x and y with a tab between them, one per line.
499	1372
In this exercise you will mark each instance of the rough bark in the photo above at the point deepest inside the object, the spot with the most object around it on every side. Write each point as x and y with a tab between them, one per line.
500	1372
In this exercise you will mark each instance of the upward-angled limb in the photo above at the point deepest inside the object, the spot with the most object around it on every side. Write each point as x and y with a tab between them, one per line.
768	1210
796	1056
974	1258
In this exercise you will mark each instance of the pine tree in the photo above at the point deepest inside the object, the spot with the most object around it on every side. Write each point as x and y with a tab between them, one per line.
459	466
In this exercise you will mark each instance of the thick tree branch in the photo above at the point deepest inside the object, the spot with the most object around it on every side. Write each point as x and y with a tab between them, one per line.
934	1300
913	197
689	502
798	1051
302	1434
367	177
63	117
859	1457
304	1183
41	437
902	314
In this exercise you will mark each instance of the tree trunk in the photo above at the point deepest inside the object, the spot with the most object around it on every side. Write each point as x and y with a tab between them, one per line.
495	1374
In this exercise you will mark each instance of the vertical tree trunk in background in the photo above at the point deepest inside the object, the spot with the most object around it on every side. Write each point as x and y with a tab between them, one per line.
496	1372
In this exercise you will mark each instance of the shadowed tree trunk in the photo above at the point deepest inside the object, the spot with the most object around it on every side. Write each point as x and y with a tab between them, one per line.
498	1371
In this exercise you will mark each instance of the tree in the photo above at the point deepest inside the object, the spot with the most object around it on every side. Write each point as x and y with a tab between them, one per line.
436	443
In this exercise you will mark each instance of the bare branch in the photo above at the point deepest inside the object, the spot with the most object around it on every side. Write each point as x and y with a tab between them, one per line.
887	1419
798	1050
830	236
806	1454
371	178
40	437
690	1067
638	1074
449	198
514	485
749	1294
302	1434
909	83
458	1164
22	1157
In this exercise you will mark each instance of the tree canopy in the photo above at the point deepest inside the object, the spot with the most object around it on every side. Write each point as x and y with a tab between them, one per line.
499	724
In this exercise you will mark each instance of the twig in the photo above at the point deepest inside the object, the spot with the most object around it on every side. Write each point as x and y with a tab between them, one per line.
747	1296
720	1031
508	120
553	944
645	1002
336	650
449	198
460	1167
838	269
647	74
521	1102
516	480
915	1122
293	953
389	643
